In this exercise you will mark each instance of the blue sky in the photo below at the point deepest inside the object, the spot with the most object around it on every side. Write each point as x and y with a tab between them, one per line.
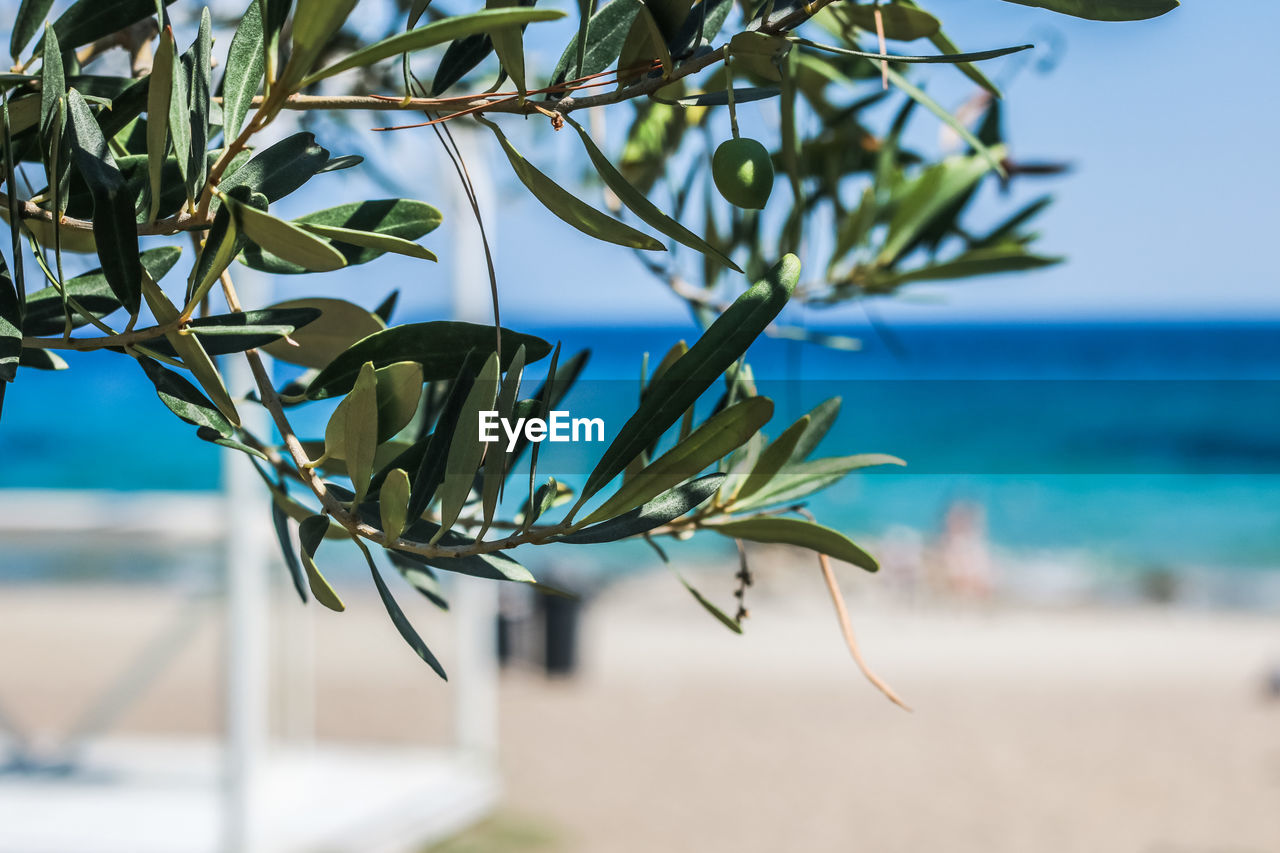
1168	213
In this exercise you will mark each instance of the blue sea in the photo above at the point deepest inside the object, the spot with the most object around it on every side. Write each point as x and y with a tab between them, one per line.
1145	445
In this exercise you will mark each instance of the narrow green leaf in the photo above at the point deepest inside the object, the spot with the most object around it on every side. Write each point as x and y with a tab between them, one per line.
508	43
395	217
184	399
314	23
720	97
352	432
179	114
279	169
41	359
311	532
399	389
948	119
929	195
1105	10
901	23
223	334
371	240
722	617
989	261
609	28
53	83
796	531
31	16
771	459
114	228
340	325
641	206
718	348
199	103
220	247
158	95
665	508
719	436
465	448
941	59
285	239
243	77
399	619
440	347
280	521
438	32
10	324
419	576
800	479
942	42
497	459
393	503
568	206
89	20
44	316
820	420
189	348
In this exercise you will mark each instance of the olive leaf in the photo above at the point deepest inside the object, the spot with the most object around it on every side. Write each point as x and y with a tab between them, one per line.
609	27
192	352
199	91
568	206
26	23
279	169
640	205
663	509
245	63
800	479
10	325
498	458
339	325
284	238
114	228
797	531
398	618
719	436
159	94
686	380
184	399
311	532
402	218
1105	10
44	308
438	32
772	459
352	432
280	522
393	503
441	348
465	448
901	22
89	20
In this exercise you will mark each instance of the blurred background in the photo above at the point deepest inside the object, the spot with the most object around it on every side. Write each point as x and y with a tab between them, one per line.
1080	567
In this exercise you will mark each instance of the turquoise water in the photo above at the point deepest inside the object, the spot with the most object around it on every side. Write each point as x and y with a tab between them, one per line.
1146	444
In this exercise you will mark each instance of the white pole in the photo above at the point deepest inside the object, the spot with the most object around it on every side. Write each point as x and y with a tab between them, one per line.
474	602
247	640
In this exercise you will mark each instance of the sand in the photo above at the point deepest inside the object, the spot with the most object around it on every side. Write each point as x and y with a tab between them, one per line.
1083	729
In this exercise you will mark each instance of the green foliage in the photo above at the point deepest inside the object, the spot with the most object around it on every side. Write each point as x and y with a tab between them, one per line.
169	157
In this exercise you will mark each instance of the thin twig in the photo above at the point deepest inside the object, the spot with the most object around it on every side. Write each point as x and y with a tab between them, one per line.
846	628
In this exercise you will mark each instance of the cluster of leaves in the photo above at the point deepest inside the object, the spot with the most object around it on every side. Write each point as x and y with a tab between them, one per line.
164	152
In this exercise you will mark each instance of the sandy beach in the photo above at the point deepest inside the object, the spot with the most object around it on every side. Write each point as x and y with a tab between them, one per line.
1082	729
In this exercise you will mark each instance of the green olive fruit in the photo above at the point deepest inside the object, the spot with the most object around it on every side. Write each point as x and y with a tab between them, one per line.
743	172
